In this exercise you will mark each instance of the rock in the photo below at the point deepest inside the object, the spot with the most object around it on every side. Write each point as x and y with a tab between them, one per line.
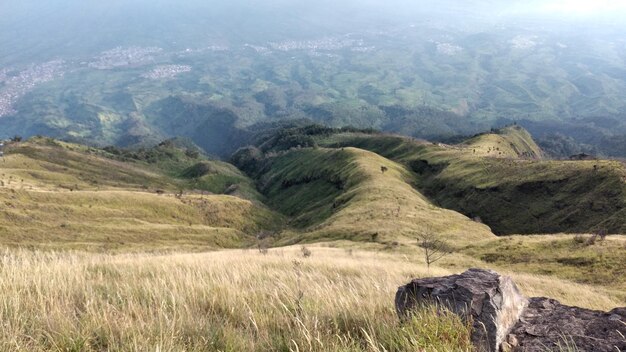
504	320
493	302
546	324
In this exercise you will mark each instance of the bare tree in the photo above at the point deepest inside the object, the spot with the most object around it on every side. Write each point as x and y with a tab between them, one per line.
434	248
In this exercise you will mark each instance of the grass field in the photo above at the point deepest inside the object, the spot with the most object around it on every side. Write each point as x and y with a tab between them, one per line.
235	300
579	258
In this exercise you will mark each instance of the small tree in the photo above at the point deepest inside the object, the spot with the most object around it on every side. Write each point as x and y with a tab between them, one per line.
434	248
383	169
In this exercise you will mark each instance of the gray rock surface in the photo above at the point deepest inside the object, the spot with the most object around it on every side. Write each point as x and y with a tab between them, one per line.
548	325
504	320
492	301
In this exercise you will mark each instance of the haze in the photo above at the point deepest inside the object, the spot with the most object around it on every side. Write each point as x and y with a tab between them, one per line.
58	27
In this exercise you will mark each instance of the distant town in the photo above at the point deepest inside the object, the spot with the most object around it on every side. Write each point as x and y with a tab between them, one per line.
13	85
326	44
120	57
166	71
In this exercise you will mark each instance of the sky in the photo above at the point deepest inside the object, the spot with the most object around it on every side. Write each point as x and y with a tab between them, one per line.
583	7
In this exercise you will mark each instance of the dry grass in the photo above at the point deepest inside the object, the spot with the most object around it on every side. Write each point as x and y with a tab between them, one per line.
227	301
560	255
236	300
128	220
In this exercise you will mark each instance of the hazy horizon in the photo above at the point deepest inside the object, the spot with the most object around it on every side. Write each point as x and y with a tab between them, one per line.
81	27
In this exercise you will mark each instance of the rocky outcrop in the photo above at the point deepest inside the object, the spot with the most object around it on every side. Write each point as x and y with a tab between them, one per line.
504	320
492	302
547	324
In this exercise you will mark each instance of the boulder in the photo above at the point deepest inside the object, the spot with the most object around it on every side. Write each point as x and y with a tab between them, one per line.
491	301
548	325
504	320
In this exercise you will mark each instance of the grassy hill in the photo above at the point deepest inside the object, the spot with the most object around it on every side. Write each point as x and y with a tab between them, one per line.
501	179
344	194
60	195
69	196
510	142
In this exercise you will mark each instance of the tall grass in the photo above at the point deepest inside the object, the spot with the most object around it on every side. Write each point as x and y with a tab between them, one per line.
220	301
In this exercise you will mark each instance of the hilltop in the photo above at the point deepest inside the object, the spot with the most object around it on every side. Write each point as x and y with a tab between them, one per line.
345	194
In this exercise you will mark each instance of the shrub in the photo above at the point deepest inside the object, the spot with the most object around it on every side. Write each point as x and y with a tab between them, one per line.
198	170
434	248
193	154
305	252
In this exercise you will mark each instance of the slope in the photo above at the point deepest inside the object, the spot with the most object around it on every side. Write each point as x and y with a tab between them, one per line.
62	195
511	194
508	142
353	194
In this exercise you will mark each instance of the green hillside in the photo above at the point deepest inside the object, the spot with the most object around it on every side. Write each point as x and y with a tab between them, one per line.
306	184
484	179
332	194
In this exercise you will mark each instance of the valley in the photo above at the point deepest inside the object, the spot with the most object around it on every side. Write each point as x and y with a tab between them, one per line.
418	80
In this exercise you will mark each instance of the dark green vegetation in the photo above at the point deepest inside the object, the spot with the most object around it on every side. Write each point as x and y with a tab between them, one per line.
498	178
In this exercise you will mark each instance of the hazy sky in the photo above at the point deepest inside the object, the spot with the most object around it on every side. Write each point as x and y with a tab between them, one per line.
30	27
583	7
